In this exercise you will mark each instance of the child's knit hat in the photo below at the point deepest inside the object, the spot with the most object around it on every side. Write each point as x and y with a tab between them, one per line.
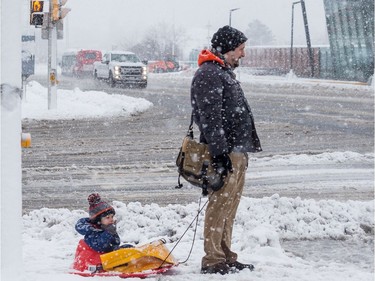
98	207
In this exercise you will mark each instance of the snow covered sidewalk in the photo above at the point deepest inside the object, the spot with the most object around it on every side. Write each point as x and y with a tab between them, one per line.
50	239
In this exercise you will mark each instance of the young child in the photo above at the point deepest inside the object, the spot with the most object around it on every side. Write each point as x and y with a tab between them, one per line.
100	235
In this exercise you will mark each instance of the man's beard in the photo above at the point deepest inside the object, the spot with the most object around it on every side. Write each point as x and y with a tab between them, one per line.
236	63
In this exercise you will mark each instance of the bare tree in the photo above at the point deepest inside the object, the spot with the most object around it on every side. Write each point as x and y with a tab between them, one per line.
162	41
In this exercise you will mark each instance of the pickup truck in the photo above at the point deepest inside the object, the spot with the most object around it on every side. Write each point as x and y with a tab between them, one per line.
121	67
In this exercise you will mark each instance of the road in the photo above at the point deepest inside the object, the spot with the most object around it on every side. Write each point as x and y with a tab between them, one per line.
132	159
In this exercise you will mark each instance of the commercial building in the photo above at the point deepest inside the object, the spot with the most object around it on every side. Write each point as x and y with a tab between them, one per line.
350	25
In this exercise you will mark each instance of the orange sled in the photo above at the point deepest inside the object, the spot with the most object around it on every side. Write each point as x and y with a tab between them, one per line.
142	261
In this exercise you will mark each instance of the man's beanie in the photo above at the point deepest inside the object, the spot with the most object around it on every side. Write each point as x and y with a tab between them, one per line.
227	39
98	207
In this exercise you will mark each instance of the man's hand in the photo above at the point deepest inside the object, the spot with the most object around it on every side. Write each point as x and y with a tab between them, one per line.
222	164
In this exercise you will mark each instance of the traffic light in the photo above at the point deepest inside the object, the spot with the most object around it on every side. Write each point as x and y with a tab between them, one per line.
36	13
58	12
55	10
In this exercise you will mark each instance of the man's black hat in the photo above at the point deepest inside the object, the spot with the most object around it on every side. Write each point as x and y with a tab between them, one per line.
227	39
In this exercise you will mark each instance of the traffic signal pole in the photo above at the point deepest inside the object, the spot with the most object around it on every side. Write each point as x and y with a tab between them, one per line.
56	13
49	22
52	61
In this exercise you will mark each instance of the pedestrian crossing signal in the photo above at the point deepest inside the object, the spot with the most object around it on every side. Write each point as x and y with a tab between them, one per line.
37	19
37	6
36	13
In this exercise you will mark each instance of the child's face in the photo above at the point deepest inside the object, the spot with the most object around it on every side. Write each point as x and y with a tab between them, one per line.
107	220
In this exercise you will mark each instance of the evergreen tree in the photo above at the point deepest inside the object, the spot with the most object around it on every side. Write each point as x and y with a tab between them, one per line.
259	34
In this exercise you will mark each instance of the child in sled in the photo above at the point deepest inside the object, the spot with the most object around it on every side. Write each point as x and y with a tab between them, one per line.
100	235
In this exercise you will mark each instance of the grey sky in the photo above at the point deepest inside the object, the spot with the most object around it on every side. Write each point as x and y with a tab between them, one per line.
101	24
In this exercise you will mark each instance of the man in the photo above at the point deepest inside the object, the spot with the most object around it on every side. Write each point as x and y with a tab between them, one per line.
226	124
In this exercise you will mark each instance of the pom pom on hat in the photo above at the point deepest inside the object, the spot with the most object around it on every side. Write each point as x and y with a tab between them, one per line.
227	39
98	207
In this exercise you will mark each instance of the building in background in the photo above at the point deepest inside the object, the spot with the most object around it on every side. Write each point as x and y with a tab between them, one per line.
350	25
349	55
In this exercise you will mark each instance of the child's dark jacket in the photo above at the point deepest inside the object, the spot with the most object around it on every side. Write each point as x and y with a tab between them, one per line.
98	239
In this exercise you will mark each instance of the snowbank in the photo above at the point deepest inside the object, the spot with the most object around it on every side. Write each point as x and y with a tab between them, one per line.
73	104
260	226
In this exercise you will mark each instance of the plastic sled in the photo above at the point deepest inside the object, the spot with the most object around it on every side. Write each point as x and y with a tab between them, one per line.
142	261
143	274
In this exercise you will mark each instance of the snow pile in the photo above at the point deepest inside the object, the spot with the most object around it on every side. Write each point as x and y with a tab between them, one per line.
78	104
289	218
291	75
307	219
259	227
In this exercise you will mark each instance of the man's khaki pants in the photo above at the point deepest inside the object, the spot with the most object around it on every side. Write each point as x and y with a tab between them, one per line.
220	213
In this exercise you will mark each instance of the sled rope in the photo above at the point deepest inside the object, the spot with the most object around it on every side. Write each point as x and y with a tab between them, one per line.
195	232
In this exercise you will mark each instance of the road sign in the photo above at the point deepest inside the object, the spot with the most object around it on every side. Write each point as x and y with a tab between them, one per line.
59	27
26	38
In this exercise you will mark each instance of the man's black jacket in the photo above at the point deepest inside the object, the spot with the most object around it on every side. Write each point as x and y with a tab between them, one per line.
220	108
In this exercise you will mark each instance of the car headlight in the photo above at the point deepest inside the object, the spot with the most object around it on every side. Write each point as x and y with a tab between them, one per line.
144	70
117	70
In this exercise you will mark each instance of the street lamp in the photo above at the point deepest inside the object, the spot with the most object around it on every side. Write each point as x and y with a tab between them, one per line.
311	58
230	15
291	39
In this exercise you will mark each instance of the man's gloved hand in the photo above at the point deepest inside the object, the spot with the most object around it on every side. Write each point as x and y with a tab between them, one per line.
222	164
111	228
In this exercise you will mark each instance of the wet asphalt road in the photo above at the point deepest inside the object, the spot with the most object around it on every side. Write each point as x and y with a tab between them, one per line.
132	159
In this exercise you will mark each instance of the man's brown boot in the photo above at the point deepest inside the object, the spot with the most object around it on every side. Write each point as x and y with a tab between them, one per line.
221	268
240	266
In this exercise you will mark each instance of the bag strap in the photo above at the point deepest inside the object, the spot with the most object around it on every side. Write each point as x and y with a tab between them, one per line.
190	132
